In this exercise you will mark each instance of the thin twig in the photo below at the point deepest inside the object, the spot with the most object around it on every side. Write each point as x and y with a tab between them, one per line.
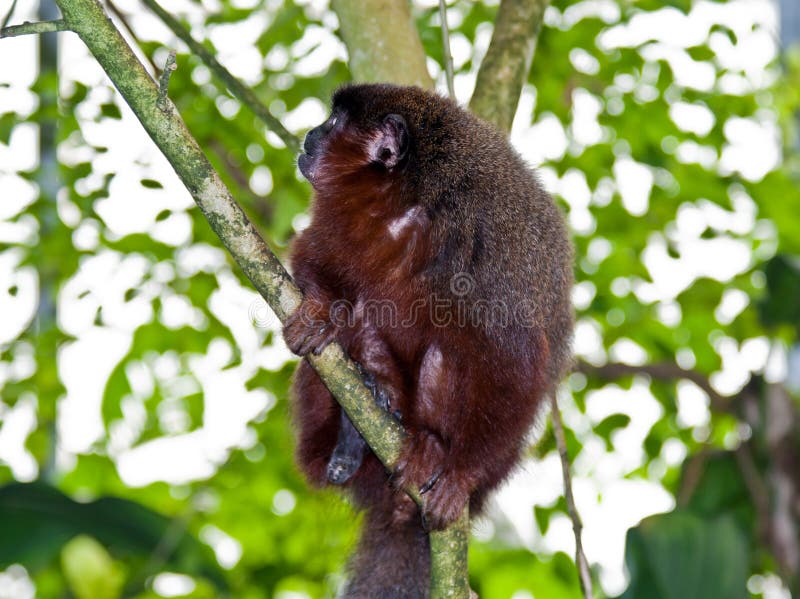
163	82
10	12
448	57
756	487
236	87
28	28
581	562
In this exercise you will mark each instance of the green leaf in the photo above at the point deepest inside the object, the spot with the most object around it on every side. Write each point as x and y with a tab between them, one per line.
89	569
37	520
681	555
780	305
151	184
110	110
614	422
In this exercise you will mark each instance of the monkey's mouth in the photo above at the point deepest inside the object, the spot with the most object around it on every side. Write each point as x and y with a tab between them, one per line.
305	163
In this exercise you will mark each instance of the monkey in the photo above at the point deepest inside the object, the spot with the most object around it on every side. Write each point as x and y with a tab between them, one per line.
438	262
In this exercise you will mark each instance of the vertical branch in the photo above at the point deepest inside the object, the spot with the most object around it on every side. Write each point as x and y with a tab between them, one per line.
382	42
449	572
447	56
45	325
584	575
508	61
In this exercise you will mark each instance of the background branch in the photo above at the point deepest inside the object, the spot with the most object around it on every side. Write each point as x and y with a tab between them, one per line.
446	55
8	15
581	563
507	62
382	42
236	87
663	371
122	18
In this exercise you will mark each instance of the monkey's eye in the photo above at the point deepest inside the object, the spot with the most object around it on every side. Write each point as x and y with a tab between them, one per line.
334	119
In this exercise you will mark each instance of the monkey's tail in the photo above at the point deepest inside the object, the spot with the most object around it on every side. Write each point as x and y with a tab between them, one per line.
392	560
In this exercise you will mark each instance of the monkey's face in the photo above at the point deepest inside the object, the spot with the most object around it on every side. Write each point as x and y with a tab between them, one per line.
314	146
353	141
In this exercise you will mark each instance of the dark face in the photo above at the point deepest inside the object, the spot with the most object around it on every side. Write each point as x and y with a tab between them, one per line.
356	140
314	144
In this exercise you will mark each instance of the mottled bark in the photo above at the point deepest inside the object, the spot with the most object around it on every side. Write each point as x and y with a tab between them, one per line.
382	42
507	62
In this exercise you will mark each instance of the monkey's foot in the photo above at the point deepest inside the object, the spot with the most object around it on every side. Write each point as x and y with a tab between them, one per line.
423	465
342	467
305	332
379	394
445	501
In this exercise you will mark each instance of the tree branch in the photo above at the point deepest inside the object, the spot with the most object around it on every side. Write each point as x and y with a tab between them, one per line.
340	375
664	371
236	87
446	55
382	42
8	15
39	27
508	61
581	563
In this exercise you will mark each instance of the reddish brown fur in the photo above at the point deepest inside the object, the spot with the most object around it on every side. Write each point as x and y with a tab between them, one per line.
482	215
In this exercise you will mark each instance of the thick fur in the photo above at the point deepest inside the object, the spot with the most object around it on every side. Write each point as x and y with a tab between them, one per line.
452	231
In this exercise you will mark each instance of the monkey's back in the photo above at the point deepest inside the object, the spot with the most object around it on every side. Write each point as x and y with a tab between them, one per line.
502	234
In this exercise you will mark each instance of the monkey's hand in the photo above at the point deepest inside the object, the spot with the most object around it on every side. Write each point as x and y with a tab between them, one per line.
309	328
423	465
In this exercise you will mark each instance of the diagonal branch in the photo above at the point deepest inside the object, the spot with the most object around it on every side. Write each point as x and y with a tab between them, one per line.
340	375
168	131
507	62
236	87
8	15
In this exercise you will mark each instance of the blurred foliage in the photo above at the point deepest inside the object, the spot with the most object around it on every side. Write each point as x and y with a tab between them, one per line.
84	531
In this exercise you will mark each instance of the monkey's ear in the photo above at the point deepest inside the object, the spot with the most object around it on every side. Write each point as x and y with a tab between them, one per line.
391	144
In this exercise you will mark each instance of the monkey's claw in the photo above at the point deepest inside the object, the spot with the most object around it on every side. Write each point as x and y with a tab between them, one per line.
431	481
379	394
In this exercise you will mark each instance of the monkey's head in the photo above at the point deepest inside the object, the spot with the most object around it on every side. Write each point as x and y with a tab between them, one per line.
379	134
